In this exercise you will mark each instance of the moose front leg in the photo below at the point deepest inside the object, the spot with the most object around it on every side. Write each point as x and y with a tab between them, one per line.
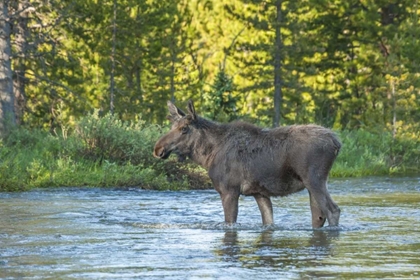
266	208
230	206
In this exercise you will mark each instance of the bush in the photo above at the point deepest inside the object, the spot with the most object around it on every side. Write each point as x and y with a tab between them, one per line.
108	138
100	151
366	153
107	152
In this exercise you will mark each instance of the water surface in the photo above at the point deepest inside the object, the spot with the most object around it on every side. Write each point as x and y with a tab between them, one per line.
93	233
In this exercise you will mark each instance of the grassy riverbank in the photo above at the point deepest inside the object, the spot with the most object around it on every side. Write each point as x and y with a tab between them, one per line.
107	152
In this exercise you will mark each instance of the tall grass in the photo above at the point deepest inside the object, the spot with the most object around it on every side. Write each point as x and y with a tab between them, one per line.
366	153
100	151
107	152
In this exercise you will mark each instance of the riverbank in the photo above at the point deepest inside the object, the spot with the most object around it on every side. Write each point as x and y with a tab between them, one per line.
106	152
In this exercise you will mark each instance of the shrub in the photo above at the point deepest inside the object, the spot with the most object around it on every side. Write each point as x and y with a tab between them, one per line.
100	151
107	152
108	138
366	153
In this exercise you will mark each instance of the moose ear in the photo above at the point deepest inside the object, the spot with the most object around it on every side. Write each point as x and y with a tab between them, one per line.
175	112
191	109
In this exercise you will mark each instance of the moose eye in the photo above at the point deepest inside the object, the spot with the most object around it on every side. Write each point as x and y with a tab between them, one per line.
184	129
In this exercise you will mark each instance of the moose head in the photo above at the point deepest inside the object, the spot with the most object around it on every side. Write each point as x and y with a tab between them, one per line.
181	137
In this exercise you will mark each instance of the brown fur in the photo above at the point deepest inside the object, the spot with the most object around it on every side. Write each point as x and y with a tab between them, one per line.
242	158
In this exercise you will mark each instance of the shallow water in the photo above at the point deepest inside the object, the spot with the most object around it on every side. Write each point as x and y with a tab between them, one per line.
125	234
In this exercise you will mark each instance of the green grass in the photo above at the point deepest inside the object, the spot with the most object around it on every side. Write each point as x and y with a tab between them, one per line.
365	153
106	152
99	152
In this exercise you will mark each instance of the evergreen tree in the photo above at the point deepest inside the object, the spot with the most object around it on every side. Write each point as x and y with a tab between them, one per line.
220	104
342	64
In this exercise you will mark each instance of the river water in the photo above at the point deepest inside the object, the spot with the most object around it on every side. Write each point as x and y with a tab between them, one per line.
93	233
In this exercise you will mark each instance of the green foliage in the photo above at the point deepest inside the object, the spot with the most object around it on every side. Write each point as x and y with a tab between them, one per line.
219	103
344	64
101	151
366	153
108	152
110	139
350	65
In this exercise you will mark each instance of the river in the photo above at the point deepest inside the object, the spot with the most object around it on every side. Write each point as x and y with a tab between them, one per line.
92	233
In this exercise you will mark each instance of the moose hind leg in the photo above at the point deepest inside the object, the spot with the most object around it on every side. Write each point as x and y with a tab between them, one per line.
318	217
328	206
266	208
319	194
334	212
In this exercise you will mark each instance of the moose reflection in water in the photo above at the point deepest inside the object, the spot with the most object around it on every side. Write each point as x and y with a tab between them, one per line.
249	252
244	159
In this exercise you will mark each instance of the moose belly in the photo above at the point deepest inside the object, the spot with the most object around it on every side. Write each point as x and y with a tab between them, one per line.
272	186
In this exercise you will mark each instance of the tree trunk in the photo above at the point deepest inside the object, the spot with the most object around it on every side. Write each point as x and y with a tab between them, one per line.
278	98
7	112
139	91
172	81
112	79
21	33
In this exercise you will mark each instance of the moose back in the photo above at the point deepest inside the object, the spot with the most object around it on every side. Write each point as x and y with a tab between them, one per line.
245	159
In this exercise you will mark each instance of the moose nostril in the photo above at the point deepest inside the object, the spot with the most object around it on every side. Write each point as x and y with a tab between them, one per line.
159	152
162	152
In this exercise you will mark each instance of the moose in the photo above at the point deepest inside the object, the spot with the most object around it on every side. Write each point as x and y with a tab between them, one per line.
244	159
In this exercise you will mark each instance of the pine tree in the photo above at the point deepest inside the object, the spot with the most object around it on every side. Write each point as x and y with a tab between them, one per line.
220	104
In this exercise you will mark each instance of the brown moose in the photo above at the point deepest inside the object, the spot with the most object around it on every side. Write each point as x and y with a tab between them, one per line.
244	159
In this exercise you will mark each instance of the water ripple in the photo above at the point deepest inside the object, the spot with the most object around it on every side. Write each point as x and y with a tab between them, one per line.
132	233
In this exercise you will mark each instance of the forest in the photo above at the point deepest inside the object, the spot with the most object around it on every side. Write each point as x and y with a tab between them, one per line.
67	66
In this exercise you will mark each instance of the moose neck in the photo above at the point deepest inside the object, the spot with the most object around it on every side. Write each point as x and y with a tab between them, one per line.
207	144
